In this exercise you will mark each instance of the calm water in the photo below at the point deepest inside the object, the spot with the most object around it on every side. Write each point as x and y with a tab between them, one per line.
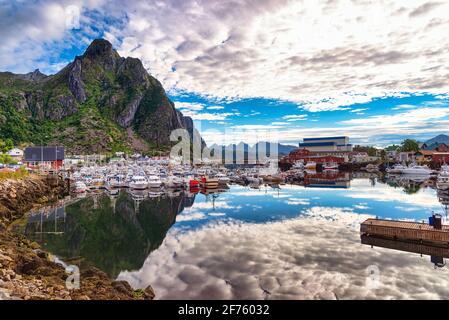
294	242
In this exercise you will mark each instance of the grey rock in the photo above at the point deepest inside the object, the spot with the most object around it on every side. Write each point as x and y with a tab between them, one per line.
76	85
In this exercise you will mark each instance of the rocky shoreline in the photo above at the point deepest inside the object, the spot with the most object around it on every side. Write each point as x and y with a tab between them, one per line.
27	272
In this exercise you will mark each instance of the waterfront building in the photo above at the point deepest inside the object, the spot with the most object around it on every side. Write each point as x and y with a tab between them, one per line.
16	154
44	157
327	144
305	155
439	154
406	156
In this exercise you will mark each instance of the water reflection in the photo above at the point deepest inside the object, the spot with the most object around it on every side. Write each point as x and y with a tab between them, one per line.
298	240
437	253
113	233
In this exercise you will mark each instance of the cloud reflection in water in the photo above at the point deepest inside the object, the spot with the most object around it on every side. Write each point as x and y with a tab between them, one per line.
315	256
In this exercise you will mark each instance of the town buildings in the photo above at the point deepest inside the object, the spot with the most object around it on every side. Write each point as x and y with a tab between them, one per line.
16	154
438	153
44	157
327	144
324	150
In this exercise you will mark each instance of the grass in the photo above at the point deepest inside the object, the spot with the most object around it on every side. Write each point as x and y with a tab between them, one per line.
18	174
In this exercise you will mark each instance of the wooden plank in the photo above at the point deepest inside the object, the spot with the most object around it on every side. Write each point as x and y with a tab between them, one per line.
405	230
438	251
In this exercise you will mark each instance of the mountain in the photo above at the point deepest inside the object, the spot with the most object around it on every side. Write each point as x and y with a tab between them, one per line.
442	138
100	102
283	149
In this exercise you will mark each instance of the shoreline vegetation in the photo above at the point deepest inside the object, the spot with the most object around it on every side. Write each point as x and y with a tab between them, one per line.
29	273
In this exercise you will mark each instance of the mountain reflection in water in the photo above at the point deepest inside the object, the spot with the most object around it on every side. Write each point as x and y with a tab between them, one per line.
293	241
111	233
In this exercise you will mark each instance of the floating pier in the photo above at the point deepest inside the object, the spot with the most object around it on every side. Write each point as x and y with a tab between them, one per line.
407	246
407	230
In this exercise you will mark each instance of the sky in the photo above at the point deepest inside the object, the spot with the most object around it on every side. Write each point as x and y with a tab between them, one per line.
258	70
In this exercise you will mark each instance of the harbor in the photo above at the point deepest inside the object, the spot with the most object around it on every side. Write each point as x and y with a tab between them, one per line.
174	235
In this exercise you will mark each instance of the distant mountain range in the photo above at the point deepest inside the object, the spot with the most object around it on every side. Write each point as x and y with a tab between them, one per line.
252	150
442	138
100	102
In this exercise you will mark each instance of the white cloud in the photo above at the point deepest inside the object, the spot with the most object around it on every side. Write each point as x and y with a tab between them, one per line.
256	127
285	260
186	216
189	106
297	201
404	107
286	50
215	108
370	130
276	49
415	116
195	115
295	117
358	111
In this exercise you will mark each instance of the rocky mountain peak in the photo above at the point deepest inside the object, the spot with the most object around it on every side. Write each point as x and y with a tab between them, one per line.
36	75
101	52
99	47
110	102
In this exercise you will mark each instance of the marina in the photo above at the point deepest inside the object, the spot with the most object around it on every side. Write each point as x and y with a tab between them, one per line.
175	235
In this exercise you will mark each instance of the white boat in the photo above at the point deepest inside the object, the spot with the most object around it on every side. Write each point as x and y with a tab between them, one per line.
397	168
117	181
154	181
174	182
97	182
443	180
310	165
299	165
208	183
80	187
138	183
222	178
330	166
417	170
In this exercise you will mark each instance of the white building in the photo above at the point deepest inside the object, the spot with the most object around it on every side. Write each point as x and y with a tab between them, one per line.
16	153
405	157
327	144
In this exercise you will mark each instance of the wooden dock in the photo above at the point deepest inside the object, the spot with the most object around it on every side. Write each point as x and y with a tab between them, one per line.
407	246
405	230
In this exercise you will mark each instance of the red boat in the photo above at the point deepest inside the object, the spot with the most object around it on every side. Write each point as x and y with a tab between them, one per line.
194	183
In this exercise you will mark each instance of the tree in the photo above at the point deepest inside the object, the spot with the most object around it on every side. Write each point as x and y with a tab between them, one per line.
371	151
393	147
6	159
6	145
383	155
409	145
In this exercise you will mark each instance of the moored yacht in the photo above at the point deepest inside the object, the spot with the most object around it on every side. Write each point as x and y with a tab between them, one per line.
154	181
208	183
299	165
174	182
80	187
116	181
330	166
138	183
443	180
397	168
222	178
417	170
